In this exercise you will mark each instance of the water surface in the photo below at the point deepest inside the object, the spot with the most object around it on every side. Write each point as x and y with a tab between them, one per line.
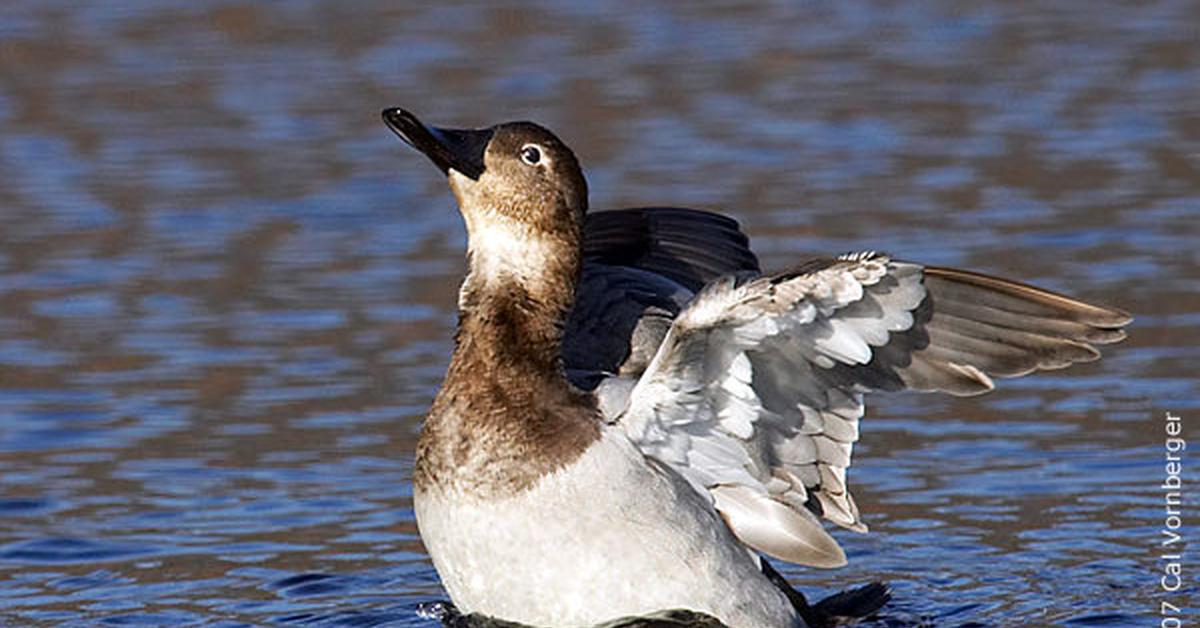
226	291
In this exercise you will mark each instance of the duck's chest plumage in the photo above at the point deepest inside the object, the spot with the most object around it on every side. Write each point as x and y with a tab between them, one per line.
606	536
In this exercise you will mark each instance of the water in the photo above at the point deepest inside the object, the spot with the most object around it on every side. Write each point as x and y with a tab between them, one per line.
226	290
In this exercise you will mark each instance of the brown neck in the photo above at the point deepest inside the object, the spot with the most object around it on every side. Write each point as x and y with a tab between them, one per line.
506	414
511	320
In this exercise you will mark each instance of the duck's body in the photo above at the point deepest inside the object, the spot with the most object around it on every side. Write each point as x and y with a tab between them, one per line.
629	538
695	414
535	510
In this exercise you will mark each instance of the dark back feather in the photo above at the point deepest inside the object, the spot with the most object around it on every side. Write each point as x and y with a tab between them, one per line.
640	266
689	246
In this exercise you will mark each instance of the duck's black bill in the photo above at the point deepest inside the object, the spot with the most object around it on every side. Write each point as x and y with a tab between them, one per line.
460	149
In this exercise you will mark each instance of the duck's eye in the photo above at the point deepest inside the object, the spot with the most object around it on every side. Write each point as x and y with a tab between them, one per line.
530	154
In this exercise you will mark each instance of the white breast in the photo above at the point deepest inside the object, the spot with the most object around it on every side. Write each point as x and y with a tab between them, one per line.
609	536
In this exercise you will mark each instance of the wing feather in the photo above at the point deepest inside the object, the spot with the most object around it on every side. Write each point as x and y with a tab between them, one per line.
756	392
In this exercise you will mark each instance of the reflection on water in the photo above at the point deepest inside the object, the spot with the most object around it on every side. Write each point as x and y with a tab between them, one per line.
226	291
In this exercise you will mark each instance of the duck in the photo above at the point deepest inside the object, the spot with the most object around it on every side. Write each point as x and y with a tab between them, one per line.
636	417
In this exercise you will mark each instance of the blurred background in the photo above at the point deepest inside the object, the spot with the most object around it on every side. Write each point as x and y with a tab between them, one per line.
227	291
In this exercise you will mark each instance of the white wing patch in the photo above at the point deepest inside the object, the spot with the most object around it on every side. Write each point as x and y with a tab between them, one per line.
740	399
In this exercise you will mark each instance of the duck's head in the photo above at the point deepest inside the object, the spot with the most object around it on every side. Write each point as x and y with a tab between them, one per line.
516	172
522	196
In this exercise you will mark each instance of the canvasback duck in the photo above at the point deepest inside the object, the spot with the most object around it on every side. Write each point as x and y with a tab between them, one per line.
634	415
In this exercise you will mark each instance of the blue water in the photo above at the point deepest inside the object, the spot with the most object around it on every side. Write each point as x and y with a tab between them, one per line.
227	291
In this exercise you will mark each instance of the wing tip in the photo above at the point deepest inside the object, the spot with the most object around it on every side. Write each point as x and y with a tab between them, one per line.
1100	316
1105	336
1109	318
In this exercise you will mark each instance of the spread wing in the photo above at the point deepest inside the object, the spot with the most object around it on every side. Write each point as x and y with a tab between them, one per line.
756	389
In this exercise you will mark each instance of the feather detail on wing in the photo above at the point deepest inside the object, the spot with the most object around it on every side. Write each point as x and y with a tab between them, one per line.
756	391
